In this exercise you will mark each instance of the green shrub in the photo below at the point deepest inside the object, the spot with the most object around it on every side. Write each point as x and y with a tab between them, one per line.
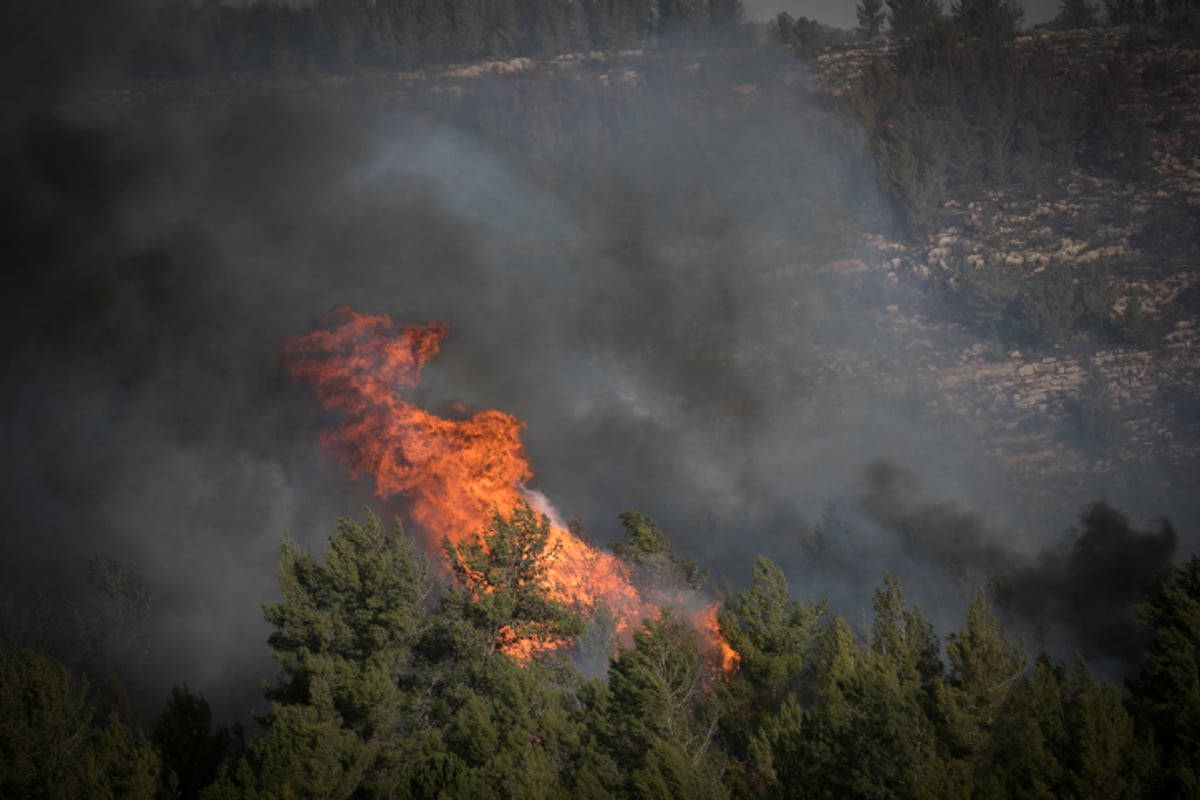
1095	293
985	294
1132	326
1097	417
1049	306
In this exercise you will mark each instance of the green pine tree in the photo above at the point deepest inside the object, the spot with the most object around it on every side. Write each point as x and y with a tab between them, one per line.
871	17
1050	306
1076	14
343	639
648	550
491	724
973	701
1103	754
1166	696
347	626
504	572
54	745
988	20
193	752
775	637
660	716
906	17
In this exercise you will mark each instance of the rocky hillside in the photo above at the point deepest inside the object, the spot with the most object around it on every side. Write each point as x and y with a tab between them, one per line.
1107	411
1115	410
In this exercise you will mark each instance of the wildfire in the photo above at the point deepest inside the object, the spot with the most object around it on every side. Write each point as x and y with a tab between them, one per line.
453	472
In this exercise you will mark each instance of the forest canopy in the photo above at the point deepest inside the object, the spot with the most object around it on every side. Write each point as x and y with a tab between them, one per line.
392	684
683	198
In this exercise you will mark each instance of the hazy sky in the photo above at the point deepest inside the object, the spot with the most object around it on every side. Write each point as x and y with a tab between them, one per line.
841	12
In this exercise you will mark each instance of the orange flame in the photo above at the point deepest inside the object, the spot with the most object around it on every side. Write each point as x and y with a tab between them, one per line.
454	472
706	625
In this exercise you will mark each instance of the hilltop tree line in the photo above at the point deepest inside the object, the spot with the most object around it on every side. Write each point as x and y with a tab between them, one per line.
955	108
947	115
1001	19
396	683
941	116
958	106
180	37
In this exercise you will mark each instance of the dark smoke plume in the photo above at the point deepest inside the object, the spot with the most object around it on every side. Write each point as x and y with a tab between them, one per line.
1090	584
1076	593
649	291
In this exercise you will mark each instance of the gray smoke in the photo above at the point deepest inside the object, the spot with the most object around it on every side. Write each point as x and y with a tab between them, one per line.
1075	592
638	273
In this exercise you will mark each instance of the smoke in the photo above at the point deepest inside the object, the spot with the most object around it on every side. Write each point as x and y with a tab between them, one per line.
1090	583
640	271
1075	592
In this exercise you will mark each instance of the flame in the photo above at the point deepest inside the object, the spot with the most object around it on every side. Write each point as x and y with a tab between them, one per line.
454	472
706	625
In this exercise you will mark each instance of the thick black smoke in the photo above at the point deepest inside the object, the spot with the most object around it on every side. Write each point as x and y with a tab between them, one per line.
640	272
1091	582
1078	592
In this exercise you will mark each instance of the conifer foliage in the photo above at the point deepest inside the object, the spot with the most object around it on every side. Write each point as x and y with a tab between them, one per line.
387	691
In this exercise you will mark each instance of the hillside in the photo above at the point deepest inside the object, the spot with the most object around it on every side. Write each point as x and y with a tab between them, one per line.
1110	407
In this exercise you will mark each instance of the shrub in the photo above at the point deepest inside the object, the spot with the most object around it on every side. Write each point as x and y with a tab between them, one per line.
985	294
1131	326
1098	422
1049	305
1095	293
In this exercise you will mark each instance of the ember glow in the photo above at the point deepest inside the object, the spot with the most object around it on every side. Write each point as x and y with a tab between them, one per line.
452	472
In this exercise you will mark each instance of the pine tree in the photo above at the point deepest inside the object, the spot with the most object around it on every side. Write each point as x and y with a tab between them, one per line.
504	572
870	17
906	17
492	724
436	36
973	701
725	19
503	36
987	293
1166	696
1121	12
869	730
468	24
52	742
1103	753
1029	736
346	627
648	550
615	24
306	752
660	715
902	640
775	637
896	738
679	17
343	639
1076	14
812	749
987	20
1050	305
546	25
193	752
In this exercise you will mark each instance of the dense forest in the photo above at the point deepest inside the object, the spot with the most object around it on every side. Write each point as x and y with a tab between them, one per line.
178	38
396	675
393	682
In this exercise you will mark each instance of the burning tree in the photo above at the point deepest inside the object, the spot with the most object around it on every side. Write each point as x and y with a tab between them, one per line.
458	474
507	579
